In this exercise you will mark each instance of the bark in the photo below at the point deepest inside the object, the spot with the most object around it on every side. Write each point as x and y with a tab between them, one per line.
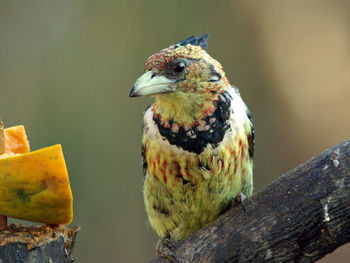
37	244
300	217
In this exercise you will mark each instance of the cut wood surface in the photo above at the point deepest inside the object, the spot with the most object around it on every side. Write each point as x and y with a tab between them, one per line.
300	217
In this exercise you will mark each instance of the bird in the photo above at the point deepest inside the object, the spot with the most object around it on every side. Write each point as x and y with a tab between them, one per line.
197	139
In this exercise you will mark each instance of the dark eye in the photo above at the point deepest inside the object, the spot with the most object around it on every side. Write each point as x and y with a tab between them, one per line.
179	67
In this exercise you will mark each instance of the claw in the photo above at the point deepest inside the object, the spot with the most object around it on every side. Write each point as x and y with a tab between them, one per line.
241	197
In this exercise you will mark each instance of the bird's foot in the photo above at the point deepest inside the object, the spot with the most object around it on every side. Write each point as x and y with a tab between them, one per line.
166	249
239	199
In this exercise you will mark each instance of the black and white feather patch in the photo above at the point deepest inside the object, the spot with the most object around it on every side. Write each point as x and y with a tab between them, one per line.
214	75
196	138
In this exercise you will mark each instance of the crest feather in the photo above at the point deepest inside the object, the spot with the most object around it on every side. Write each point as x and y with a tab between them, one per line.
196	41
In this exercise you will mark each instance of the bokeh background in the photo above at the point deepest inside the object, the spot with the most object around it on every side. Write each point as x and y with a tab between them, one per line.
66	68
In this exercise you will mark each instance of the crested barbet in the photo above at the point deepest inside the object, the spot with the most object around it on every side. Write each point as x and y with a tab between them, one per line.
198	139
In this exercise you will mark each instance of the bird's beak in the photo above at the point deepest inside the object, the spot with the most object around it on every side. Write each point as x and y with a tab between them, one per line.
149	84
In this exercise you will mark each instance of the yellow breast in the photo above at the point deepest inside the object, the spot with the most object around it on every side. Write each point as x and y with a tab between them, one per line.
184	191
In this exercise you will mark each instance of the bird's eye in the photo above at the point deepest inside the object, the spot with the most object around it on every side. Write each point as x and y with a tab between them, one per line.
179	67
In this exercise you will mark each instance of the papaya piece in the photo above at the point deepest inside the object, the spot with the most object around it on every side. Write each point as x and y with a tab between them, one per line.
35	186
16	140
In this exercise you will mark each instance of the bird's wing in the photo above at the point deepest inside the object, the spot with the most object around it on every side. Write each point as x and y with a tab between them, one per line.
251	136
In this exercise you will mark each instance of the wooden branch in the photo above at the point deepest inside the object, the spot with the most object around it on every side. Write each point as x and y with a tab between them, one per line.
3	218
300	217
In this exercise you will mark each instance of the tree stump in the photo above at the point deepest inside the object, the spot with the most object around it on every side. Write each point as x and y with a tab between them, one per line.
37	244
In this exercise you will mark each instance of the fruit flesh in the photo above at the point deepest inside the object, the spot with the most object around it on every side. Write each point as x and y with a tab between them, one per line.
34	186
16	140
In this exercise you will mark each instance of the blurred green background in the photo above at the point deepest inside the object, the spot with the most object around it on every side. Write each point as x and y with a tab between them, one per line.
66	68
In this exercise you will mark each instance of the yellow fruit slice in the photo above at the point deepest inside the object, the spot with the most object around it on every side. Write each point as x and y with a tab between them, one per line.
16	140
34	186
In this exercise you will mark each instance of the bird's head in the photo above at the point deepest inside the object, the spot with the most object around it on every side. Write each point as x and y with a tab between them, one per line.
184	80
